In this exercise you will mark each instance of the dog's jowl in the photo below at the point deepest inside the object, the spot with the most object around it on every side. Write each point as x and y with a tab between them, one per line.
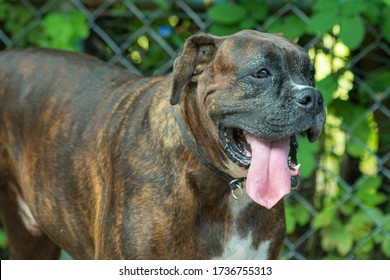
194	165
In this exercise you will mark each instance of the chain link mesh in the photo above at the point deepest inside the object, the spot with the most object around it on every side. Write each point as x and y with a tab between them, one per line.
114	36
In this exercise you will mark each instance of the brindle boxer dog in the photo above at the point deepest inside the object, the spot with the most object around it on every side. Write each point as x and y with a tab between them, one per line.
109	165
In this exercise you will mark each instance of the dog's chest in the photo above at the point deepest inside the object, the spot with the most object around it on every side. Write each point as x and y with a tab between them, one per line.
239	247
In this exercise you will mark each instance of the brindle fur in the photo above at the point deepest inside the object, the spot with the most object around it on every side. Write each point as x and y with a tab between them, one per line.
98	158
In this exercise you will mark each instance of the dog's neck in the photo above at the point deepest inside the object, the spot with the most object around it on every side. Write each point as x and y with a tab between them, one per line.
205	139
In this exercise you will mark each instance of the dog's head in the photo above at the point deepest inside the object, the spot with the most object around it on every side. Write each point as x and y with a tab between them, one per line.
258	92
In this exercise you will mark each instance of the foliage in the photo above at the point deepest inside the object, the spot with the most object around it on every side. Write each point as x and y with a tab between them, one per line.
231	17
72	27
349	213
62	28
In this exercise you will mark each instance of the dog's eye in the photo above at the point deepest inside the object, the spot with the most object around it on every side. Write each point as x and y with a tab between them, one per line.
262	73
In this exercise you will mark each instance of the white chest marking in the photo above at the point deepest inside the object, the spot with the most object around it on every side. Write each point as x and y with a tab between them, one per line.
239	247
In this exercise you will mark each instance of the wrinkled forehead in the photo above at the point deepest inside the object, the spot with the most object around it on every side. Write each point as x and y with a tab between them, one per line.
263	49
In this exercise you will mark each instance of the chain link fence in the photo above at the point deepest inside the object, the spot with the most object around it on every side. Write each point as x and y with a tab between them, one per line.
133	33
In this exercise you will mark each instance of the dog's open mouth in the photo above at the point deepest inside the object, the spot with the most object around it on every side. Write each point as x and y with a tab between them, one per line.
272	166
240	152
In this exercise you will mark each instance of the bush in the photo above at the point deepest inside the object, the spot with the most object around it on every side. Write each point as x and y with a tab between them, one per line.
342	209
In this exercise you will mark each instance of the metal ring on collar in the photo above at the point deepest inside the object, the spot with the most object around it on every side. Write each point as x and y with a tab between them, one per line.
235	185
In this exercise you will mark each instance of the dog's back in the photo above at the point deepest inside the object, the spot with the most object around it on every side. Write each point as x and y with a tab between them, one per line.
61	117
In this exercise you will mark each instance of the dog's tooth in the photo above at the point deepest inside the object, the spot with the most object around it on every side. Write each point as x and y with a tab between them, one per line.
247	153
296	167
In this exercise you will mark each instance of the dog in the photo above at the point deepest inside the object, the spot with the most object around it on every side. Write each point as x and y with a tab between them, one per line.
105	164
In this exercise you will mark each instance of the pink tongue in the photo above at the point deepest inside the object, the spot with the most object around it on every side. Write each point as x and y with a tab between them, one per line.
268	178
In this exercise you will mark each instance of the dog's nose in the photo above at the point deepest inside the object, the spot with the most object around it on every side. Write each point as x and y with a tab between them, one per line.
310	100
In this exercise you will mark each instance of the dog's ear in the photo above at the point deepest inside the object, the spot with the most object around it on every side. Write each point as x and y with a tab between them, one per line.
198	51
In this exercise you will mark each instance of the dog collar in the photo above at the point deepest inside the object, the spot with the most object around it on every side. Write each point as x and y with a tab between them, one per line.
235	184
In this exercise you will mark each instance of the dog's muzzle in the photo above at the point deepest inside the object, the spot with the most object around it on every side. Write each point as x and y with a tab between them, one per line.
272	164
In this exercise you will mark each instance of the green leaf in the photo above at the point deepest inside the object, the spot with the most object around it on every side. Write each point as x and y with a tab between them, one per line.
164	4
360	131
3	239
325	217
345	242
351	8
18	17
377	81
307	156
177	40
336	236
4	8
371	182
386	224
328	241
364	251
367	191
294	27
373	200
327	86
385	246
227	13
248	23
296	214
258	10
347	208
360	221
385	25
375	214
290	219
321	22
325	5
63	30
276	26
352	31
80	28
333	257
372	12
302	215
291	26
223	30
